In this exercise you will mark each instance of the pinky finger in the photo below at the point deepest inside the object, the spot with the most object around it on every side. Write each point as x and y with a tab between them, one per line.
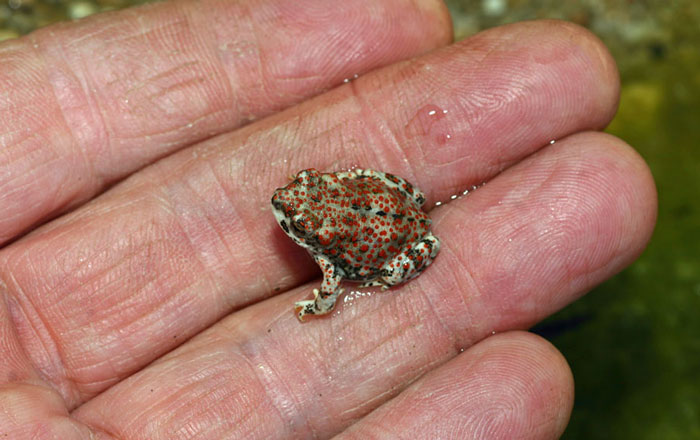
510	386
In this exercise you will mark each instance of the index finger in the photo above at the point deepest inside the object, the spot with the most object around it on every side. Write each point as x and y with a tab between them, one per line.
85	104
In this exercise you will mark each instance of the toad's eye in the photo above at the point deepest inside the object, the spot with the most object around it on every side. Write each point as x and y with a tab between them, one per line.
304	224
299	226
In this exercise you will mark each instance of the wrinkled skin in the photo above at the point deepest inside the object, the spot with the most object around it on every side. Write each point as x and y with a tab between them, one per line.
158	306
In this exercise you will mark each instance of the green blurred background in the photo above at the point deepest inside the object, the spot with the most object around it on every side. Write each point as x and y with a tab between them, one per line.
634	342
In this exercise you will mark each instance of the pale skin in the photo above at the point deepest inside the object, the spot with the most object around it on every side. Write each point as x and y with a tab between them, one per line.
161	308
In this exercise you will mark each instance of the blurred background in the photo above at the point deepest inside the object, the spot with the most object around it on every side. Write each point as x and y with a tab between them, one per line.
634	342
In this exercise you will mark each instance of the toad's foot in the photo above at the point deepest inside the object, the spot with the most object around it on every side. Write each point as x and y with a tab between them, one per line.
320	305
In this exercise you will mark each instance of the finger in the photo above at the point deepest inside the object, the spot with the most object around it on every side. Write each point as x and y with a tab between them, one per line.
87	103
509	386
28	405
531	240
179	245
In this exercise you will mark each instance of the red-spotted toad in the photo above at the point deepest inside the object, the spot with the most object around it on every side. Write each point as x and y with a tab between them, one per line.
359	225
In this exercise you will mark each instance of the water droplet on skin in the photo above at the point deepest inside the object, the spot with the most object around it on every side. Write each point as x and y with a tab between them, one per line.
427	122
442	139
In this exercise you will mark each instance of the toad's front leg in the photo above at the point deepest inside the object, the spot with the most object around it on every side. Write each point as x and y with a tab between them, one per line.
324	300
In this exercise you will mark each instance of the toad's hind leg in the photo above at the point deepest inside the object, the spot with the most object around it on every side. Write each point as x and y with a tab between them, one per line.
408	264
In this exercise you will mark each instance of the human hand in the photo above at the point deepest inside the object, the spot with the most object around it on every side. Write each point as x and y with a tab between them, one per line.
163	308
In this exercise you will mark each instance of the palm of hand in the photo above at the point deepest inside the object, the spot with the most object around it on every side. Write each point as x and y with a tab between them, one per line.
162	308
